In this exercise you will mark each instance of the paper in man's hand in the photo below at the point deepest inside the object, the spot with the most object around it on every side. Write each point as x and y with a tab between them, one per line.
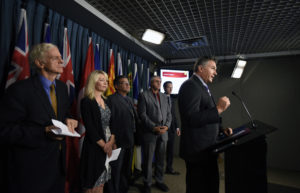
63	129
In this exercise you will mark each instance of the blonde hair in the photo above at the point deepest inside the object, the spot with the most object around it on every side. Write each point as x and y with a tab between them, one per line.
91	82
38	53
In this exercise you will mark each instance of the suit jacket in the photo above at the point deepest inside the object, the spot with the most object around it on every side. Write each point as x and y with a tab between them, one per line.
34	160
174	123
148	110
123	119
199	119
92	156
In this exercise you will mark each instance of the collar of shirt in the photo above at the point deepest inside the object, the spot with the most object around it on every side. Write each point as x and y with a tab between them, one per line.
201	80
46	85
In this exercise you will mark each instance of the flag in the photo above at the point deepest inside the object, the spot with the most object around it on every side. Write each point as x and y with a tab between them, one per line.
135	84
129	75
88	68
137	156
19	68
141	77
67	76
111	74
97	58
120	68
47	33
72	143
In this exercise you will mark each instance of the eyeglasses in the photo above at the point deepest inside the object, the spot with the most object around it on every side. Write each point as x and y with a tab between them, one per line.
126	83
55	58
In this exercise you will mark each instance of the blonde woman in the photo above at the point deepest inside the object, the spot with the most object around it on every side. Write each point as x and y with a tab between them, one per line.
99	139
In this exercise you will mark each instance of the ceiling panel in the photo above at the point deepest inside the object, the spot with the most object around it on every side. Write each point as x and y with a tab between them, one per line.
231	27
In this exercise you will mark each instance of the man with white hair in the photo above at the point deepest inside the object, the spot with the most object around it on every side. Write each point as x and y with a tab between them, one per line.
36	156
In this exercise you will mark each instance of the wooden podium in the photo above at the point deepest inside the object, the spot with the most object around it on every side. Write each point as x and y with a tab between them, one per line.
245	158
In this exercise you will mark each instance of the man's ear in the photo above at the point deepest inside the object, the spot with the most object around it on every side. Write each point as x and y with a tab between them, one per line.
39	64
116	86
200	68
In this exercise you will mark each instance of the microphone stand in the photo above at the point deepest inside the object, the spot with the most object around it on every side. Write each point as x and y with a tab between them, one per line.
246	109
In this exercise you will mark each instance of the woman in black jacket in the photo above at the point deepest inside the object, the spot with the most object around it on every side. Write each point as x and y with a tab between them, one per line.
99	139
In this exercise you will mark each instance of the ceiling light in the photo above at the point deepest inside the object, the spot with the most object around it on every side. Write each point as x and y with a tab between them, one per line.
238	69
241	63
152	36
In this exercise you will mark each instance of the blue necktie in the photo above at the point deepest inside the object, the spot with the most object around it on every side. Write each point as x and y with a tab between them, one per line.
207	90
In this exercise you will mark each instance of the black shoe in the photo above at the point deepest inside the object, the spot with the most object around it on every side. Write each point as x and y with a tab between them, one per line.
172	172
163	187
147	189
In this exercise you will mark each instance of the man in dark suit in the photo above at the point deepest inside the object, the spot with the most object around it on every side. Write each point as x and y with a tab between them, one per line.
123	121
155	114
173	130
200	123
36	156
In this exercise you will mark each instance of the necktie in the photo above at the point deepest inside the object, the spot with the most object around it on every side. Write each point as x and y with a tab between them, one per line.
207	90
53	98
169	101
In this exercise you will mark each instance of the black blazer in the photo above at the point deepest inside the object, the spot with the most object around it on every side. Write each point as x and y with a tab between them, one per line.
174	123
123	119
199	119
92	155
34	160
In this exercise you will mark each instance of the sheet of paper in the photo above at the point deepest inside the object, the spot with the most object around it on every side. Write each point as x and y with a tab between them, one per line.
63	129
114	156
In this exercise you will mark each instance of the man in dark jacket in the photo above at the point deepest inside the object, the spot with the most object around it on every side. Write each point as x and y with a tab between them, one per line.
174	129
36	157
200	123
123	121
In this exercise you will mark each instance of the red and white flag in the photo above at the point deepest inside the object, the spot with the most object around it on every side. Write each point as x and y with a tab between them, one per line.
19	68
88	68
72	143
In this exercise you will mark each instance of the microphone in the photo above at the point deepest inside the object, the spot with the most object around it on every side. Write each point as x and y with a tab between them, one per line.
246	109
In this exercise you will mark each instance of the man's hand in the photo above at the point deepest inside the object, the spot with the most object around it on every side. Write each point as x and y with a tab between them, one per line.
72	124
178	132
156	129
52	135
228	131
163	129
223	104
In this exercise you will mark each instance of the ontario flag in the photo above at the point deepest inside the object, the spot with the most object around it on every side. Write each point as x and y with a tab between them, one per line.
89	67
19	68
120	66
72	143
47	33
135	85
111	74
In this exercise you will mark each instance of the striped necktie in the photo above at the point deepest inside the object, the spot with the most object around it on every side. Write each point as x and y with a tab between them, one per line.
53	99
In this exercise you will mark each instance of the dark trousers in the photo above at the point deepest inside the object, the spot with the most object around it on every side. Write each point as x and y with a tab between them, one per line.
121	172
158	149
170	151
202	176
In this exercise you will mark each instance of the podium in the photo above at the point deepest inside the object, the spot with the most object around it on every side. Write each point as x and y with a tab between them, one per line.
245	158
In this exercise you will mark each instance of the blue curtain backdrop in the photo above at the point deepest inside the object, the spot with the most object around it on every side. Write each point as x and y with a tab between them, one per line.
37	15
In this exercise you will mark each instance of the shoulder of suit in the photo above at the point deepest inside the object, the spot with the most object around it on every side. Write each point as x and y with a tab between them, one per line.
61	84
20	85
114	96
163	94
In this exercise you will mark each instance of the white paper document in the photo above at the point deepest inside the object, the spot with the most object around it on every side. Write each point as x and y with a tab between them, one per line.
63	129
114	156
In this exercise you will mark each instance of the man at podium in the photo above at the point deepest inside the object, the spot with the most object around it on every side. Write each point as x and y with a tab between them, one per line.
200	119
